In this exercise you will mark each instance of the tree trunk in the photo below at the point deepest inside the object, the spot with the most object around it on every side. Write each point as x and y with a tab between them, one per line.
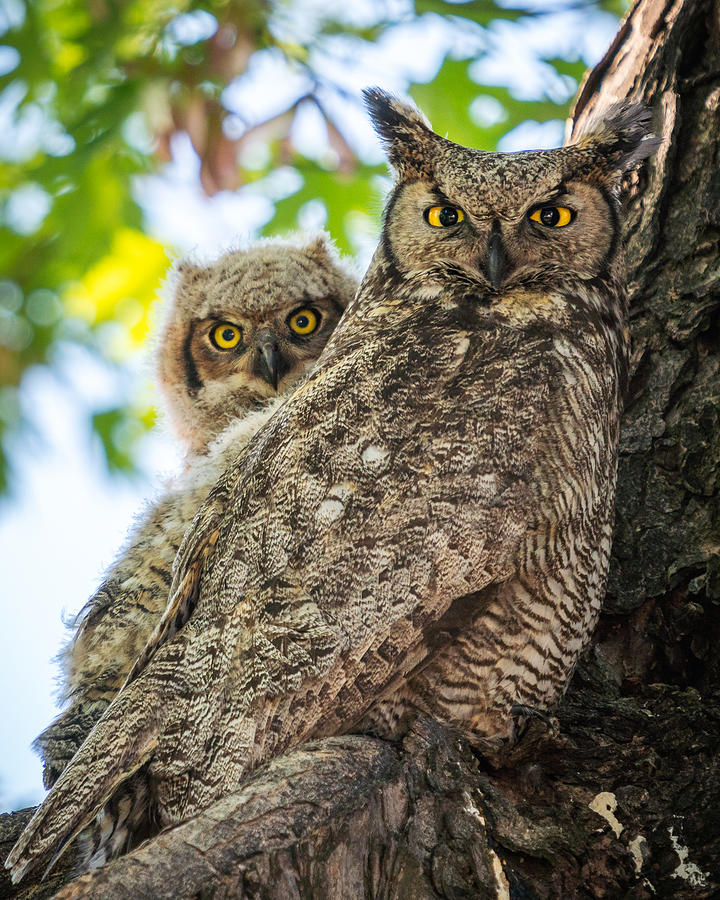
622	800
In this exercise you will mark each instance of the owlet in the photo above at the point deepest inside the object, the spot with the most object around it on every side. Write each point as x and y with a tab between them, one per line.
236	335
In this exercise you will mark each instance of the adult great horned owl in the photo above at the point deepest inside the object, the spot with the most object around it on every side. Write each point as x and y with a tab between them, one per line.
440	489
237	333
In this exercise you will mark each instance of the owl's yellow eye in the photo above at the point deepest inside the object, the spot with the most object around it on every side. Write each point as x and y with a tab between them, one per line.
225	336
444	216
553	216
304	321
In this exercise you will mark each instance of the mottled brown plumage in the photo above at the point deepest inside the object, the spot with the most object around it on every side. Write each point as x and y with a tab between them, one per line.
426	522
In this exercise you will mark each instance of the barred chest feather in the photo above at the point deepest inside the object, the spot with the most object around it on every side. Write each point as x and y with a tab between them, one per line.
517	642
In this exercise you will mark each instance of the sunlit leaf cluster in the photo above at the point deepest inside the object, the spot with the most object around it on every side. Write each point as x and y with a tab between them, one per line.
96	92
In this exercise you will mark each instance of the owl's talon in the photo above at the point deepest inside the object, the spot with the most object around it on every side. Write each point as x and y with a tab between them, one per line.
531	712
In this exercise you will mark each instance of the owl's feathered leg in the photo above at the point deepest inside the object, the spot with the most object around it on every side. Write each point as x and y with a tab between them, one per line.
61	739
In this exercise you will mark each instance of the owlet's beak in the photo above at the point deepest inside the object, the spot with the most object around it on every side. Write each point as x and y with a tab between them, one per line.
496	263
270	364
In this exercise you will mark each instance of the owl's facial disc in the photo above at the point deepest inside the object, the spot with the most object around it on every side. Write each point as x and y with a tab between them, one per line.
245	329
501	237
557	210
258	357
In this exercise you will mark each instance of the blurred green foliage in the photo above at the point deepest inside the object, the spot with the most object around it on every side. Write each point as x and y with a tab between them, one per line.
93	94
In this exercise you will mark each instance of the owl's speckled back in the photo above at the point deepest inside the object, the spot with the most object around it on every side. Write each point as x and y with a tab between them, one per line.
425	523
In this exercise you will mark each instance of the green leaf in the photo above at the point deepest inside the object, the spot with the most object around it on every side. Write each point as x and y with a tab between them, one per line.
120	430
480	11
342	194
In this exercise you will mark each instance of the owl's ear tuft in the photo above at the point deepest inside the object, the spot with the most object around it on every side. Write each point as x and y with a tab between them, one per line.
402	128
624	136
319	248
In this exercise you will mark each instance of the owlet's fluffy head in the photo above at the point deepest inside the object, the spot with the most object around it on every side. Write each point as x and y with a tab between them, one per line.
493	221
245	329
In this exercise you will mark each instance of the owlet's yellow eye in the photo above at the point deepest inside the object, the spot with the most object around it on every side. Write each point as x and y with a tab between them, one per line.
553	216
444	216
225	336
304	321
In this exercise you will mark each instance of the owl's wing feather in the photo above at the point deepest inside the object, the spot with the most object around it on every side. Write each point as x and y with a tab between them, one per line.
130	733
178	611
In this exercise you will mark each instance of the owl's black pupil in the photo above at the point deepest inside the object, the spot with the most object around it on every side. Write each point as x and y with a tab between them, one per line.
228	334
302	321
549	215
448	216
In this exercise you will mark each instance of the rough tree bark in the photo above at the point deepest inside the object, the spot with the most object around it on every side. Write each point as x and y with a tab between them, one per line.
623	799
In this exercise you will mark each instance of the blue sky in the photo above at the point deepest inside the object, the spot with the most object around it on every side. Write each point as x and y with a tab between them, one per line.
68	518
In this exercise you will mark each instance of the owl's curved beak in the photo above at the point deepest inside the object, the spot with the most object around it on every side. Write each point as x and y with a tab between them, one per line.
268	367
496	260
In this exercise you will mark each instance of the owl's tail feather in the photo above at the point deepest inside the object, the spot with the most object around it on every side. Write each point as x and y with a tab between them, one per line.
119	826
120	744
